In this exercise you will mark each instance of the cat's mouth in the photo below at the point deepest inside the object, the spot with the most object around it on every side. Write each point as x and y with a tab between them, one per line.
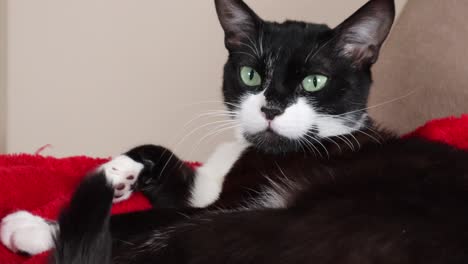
270	134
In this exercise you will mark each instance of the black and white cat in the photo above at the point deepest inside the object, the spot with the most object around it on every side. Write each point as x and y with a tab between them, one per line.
311	179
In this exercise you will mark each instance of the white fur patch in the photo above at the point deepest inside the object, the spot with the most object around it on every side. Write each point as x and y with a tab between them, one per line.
24	232
122	172
271	198
250	115
278	194
295	122
329	126
210	177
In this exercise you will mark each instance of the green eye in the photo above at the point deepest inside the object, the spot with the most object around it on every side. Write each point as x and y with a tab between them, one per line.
314	83
250	77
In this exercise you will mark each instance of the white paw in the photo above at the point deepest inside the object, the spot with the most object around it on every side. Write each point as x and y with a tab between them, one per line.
27	233
122	172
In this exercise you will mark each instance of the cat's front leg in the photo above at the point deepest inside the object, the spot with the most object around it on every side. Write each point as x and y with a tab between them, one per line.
166	180
29	234
122	172
154	170
170	183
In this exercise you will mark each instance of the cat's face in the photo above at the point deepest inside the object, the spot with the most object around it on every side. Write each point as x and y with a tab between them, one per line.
295	83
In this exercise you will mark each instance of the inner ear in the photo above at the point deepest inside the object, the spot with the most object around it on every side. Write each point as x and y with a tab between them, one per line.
361	36
239	22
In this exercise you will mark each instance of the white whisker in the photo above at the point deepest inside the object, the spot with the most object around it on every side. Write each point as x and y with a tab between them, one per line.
380	104
310	56
245	53
261	42
300	143
188	135
211	102
373	138
347	142
320	143
360	130
209	114
334	142
217	130
253	44
313	146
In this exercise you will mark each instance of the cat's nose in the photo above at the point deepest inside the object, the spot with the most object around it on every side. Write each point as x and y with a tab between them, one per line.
271	112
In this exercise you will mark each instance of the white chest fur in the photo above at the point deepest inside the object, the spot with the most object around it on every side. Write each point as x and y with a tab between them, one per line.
210	177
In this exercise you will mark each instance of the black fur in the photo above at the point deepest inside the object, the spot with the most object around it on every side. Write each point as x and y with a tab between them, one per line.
165	180
84	235
399	202
374	198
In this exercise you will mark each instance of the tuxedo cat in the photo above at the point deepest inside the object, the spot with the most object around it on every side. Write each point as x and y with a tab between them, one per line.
310	180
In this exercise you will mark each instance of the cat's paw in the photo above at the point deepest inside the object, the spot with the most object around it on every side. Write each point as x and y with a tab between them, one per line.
22	232
122	173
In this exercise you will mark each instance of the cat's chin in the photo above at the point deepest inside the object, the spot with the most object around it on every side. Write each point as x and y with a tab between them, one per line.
270	142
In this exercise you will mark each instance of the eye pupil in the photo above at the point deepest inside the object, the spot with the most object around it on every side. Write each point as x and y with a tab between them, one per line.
315	81
251	75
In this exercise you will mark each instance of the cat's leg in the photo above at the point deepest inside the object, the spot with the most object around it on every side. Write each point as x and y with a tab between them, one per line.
25	233
88	232
163	178
122	172
170	183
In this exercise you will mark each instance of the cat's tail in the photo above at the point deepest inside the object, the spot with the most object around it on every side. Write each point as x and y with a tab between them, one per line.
84	236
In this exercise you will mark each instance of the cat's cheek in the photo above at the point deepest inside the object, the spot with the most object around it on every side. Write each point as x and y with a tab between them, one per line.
296	121
250	115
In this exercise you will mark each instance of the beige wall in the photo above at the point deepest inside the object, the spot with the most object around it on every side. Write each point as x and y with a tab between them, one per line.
3	107
423	69
97	77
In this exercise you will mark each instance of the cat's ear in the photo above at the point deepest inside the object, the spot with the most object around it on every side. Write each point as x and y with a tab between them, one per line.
238	21
361	36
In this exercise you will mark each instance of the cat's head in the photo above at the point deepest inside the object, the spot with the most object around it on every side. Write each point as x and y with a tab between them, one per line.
295	82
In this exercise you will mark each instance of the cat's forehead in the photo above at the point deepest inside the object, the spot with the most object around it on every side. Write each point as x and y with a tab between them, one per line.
291	41
293	34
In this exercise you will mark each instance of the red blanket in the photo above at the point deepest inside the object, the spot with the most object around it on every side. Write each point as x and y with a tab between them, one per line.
43	185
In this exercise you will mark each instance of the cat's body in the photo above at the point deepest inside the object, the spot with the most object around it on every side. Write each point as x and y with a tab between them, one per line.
398	201
311	179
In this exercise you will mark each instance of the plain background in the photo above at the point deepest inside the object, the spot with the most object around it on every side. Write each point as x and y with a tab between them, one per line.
424	64
98	77
3	61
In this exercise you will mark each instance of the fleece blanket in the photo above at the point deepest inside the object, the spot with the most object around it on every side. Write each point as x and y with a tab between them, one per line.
43	185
